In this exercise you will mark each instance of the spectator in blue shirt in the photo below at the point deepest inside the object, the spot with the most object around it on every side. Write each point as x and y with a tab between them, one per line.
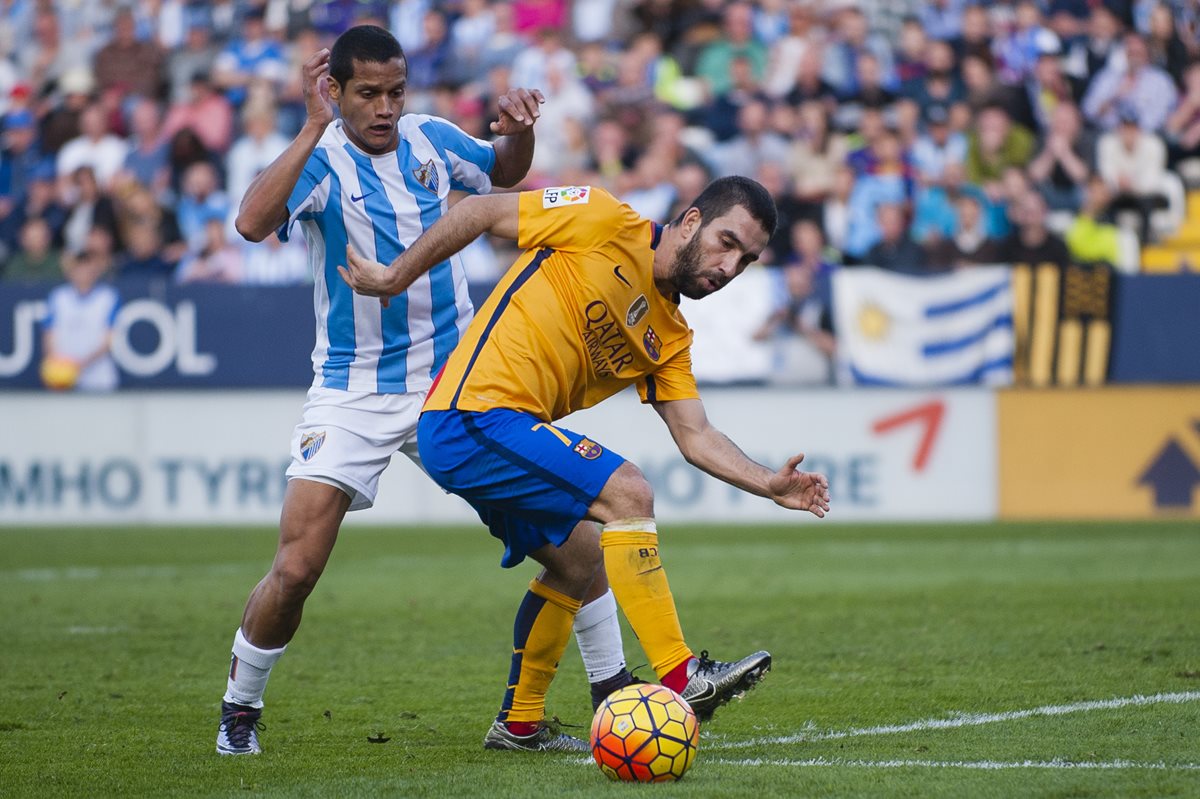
253	55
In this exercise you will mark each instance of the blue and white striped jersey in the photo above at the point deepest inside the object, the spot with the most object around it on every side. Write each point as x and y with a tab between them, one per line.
381	204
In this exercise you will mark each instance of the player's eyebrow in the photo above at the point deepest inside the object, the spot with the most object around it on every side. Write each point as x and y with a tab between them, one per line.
377	86
731	235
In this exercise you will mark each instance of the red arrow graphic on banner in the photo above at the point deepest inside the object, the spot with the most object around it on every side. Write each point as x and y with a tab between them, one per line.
930	415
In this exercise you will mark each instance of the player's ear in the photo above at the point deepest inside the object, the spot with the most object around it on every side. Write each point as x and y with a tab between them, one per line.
335	90
693	220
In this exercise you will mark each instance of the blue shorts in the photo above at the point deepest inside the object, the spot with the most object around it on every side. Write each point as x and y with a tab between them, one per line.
530	482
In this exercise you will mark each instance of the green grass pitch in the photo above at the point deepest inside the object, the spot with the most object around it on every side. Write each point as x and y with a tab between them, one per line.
950	660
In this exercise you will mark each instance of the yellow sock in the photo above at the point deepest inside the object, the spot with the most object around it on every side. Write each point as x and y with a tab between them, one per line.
540	634
640	586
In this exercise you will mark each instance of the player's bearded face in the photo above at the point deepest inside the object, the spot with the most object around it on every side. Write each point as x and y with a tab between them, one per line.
689	276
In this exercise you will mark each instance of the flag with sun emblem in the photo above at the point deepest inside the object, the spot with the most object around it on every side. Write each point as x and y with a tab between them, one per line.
944	330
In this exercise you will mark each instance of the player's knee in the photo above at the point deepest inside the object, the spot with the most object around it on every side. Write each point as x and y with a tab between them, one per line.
634	496
295	578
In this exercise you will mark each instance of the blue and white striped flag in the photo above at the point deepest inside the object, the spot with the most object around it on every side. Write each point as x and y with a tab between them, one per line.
945	330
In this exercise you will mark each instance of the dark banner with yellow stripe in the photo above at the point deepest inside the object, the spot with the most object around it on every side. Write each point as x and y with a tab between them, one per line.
1062	321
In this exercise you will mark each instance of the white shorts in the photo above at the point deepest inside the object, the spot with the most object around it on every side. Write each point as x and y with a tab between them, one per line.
347	438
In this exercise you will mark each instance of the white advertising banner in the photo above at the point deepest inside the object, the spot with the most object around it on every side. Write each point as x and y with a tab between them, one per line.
209	457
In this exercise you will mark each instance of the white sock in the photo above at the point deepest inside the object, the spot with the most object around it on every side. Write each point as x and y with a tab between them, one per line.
249	670
598	634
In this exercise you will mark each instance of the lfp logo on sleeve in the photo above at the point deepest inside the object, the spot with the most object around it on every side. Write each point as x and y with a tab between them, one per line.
557	196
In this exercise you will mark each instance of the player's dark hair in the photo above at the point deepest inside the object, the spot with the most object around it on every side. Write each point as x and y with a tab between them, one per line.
368	43
724	194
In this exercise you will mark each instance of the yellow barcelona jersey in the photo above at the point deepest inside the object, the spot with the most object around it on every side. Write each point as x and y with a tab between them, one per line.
575	320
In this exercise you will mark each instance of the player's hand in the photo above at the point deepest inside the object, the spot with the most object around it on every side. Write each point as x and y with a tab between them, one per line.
799	490
366	277
518	111
316	88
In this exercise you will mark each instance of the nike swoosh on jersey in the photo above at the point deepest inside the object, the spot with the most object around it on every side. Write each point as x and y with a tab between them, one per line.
620	277
360	197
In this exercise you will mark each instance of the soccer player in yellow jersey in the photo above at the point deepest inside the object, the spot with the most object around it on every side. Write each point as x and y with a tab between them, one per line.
590	308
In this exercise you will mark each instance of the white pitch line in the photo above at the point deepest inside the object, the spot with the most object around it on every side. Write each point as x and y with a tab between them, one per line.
965	720
983	765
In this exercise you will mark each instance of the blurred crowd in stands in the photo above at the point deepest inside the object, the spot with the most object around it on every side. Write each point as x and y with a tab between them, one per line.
916	136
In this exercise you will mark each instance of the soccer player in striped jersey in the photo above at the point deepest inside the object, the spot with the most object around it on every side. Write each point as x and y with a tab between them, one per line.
590	308
374	179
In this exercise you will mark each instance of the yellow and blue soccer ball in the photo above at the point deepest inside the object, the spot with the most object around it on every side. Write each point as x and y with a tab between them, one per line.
59	373
644	733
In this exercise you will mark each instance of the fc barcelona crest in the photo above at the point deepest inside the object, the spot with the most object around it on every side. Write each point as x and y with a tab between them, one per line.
651	343
310	443
588	449
427	175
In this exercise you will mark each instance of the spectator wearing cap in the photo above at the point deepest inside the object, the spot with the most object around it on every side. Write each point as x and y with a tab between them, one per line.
127	65
254	55
1133	83
938	148
1133	162
1066	157
95	148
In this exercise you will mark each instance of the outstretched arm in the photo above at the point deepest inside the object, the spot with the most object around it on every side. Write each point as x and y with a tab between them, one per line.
470	217
707	448
264	207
